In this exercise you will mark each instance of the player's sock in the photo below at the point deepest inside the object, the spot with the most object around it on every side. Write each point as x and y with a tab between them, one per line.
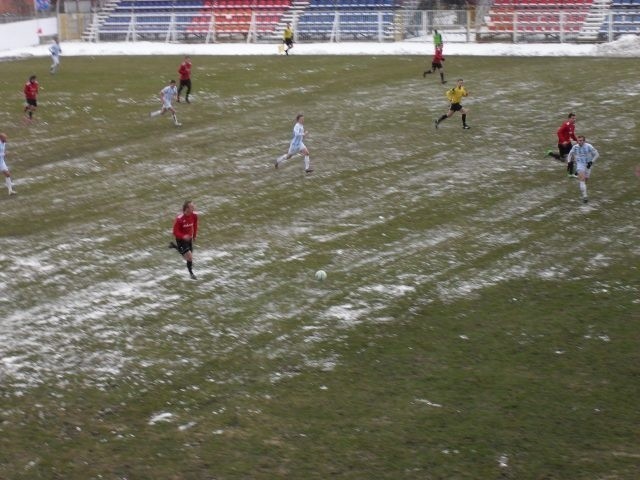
190	267
570	168
156	113
442	77
30	114
7	181
583	188
175	119
307	162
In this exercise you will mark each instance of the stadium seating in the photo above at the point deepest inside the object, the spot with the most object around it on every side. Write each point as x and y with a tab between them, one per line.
157	19
180	20
186	20
545	17
625	18
347	19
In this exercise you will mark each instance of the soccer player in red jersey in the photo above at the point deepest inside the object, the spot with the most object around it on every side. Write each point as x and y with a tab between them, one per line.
31	96
185	229
436	64
185	77
566	133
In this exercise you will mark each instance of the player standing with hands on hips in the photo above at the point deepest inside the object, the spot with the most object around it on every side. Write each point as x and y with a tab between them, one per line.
185	78
185	229
55	52
297	146
583	154
31	89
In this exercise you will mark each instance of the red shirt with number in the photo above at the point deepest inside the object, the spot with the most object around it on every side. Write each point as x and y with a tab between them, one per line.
185	226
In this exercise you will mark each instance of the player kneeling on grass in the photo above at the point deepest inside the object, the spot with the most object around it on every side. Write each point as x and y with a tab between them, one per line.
583	154
566	133
167	95
185	229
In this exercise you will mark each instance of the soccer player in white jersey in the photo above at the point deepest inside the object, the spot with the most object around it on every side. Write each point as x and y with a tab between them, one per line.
583	154
168	94
297	145
55	52
3	166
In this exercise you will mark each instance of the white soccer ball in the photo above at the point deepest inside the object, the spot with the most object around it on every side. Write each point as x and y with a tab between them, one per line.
321	275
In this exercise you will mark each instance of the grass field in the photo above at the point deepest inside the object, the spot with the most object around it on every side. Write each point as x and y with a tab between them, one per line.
478	321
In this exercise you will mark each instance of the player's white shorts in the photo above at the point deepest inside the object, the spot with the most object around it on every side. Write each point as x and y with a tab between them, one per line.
293	149
3	166
582	168
55	59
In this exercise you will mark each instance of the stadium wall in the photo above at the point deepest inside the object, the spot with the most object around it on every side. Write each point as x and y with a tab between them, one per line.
27	33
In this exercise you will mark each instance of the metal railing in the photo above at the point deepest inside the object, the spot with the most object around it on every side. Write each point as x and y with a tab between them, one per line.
341	25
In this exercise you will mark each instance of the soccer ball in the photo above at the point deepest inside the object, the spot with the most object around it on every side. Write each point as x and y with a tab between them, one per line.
321	275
